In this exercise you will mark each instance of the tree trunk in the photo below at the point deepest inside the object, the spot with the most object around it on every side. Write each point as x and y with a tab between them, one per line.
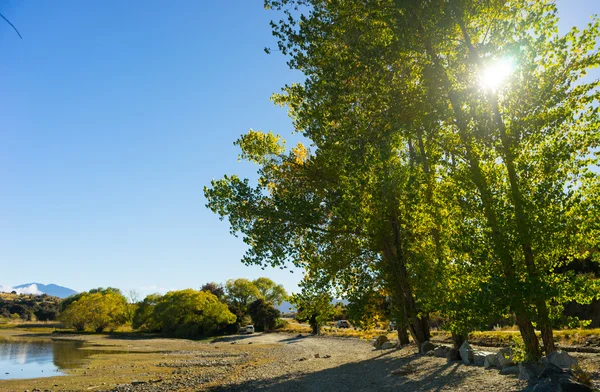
521	219
458	340
316	328
532	346
402	336
394	257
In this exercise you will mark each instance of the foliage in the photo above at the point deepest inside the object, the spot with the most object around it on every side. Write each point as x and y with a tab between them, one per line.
270	291
143	315
97	311
241	292
29	306
315	308
423	183
190	313
215	289
264	315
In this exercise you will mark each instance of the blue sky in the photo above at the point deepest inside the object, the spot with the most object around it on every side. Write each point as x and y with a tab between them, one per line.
115	114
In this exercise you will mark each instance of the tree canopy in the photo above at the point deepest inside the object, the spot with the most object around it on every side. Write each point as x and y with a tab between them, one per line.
452	163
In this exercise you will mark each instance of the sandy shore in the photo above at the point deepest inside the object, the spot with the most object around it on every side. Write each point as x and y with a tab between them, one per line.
268	362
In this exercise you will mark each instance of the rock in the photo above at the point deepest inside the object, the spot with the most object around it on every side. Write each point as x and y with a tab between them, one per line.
388	345
545	385
530	371
326	356
301	359
554	378
480	356
317	356
427	347
570	385
135	382
441	351
379	341
453	355
506	370
466	353
560	359
490	361
505	357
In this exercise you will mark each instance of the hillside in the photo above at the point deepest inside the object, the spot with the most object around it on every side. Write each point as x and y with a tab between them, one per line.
29	306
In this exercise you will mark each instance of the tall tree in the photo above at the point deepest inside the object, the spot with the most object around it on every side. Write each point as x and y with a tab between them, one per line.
453	151
270	291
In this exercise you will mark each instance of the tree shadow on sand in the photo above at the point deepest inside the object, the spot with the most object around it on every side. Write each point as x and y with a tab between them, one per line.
370	375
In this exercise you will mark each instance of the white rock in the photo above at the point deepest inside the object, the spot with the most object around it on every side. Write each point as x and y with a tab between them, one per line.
490	361
441	351
505	356
466	353
480	356
561	359
388	345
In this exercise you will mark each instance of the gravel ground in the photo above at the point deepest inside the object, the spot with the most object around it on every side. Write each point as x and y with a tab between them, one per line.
275	362
353	365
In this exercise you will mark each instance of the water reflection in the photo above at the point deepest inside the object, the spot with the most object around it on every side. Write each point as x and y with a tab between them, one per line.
31	359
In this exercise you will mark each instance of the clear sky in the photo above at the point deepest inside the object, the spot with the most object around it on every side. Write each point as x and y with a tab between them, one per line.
114	115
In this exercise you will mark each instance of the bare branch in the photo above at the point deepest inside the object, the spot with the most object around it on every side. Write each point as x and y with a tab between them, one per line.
11	25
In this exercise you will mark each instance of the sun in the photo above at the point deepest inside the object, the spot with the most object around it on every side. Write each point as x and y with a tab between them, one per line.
496	73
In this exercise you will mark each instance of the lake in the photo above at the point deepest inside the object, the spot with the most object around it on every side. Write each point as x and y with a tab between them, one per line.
39	358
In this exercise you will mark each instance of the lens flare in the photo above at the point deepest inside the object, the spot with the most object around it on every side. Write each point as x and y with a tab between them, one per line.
496	74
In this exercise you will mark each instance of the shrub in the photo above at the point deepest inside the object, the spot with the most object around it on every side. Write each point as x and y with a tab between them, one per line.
190	313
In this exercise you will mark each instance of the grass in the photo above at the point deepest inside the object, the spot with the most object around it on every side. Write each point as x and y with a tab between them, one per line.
506	336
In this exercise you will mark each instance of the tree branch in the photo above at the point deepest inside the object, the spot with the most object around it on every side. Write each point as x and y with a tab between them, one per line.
11	25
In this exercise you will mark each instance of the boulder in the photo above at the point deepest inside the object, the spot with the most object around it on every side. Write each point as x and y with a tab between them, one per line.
388	345
505	356
560	359
427	347
453	355
441	351
530	371
466	353
514	369
570	385
545	385
553	378
377	343
480	356
490	361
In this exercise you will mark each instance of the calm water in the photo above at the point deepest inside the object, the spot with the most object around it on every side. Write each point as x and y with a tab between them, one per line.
32	359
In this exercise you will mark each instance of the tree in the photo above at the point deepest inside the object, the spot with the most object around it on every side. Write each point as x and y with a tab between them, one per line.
96	311
143	317
264	315
315	308
241	292
216	289
190	313
271	292
449	195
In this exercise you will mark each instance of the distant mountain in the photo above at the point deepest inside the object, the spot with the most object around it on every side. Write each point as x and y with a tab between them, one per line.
50	289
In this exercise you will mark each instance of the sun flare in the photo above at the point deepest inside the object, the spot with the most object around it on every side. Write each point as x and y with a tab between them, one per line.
496	74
